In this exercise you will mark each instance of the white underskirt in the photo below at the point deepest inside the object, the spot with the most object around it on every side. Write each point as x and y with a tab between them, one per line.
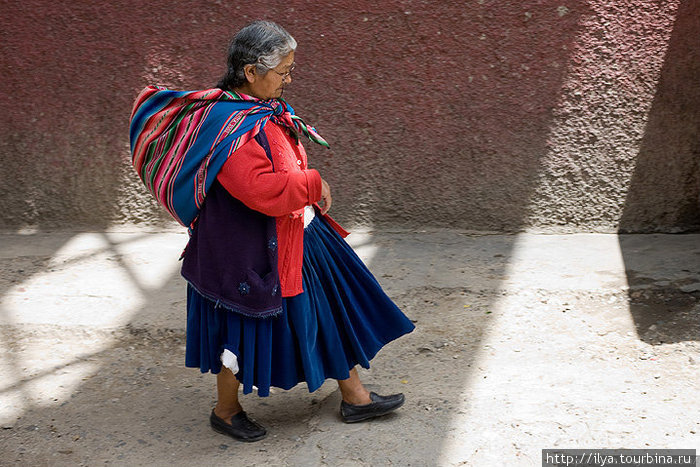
229	360
309	214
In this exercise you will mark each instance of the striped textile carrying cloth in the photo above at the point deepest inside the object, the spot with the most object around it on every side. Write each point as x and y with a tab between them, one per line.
181	139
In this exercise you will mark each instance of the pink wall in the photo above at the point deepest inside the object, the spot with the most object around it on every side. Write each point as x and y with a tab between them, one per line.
484	115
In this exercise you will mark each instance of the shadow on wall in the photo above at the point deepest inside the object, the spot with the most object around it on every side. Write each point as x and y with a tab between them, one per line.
667	175
667	171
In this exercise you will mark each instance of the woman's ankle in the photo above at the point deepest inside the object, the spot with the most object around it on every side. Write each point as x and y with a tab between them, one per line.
359	396
352	389
225	412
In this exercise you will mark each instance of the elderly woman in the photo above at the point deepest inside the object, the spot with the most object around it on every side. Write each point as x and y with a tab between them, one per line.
275	296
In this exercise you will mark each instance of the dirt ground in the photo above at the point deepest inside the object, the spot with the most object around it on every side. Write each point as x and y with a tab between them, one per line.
522	342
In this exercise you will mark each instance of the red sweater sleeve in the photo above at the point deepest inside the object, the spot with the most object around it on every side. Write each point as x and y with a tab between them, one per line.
248	176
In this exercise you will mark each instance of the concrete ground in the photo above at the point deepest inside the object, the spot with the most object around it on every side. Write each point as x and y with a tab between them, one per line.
523	342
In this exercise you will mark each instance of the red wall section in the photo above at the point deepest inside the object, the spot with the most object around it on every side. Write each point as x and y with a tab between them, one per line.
439	113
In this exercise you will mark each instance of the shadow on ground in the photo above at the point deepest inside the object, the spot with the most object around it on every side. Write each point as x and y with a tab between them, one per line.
124	397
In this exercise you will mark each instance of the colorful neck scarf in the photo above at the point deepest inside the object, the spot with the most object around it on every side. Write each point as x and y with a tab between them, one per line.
181	139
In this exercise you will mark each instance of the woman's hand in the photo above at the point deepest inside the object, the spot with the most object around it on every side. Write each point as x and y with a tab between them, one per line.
325	197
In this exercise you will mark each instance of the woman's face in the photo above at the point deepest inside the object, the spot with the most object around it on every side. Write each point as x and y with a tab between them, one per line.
271	84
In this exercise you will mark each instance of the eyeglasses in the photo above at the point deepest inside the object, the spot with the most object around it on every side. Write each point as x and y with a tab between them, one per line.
286	74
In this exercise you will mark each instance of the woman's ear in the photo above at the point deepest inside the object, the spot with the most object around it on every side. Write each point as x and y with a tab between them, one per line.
250	73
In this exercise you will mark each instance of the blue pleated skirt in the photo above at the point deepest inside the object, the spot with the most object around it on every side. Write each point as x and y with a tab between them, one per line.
341	320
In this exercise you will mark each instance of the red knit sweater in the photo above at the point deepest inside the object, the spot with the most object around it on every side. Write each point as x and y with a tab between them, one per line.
248	176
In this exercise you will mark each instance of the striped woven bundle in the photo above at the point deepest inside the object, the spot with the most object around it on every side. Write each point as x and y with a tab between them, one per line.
181	139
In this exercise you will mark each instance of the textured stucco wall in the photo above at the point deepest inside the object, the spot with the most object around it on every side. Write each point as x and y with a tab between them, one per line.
481	115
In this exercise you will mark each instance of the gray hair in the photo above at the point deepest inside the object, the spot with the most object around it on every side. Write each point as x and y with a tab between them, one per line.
260	43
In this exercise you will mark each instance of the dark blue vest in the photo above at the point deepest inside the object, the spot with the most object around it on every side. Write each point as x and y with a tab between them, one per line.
231	257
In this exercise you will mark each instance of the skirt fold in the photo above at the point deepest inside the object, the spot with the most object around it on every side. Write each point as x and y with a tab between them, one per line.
342	319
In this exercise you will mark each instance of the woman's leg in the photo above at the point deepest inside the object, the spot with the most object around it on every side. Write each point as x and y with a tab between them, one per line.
353	391
229	417
227	388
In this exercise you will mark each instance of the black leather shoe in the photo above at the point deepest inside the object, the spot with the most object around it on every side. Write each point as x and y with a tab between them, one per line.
380	405
241	428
